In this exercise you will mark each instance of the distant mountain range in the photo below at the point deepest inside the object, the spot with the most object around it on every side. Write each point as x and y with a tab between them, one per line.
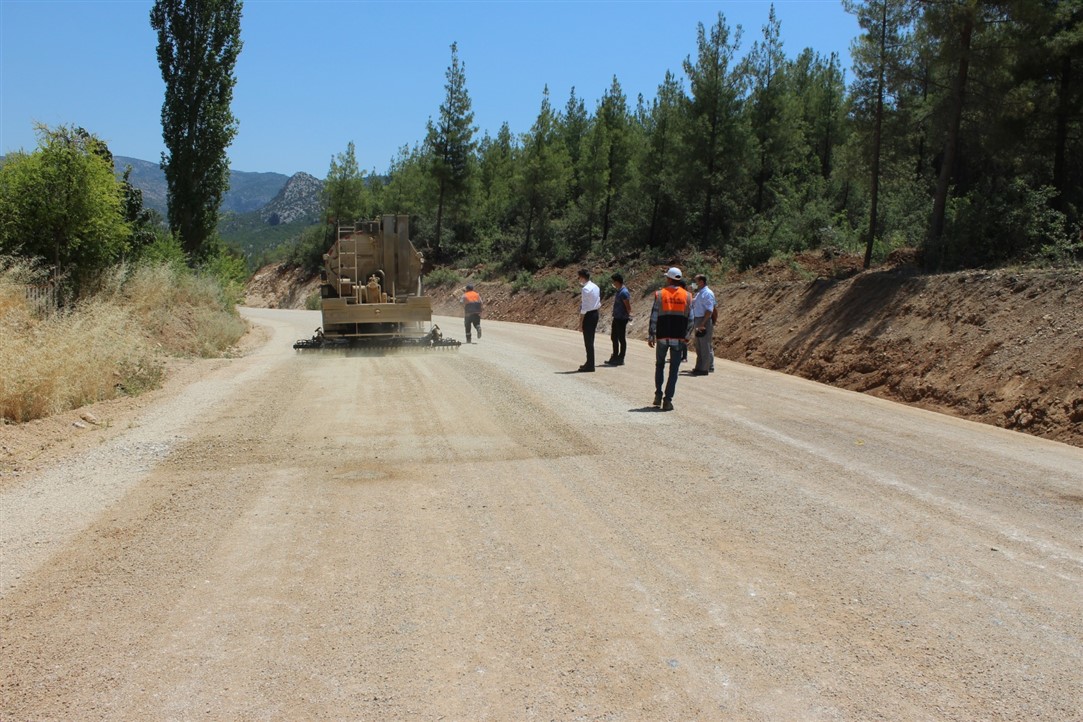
259	211
294	207
247	191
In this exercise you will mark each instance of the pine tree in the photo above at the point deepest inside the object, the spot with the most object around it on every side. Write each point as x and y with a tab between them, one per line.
773	116
613	114
877	57
450	145
497	159
198	46
574	124
716	141
542	184
344	197
662	153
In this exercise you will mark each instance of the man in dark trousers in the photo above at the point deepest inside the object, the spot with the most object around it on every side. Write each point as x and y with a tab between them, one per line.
622	314
471	301
671	327
589	304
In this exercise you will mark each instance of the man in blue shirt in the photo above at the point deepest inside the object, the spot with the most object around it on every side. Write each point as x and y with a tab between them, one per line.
703	306
622	314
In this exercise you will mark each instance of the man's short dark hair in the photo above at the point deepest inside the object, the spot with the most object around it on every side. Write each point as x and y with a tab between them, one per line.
584	273
700	277
617	277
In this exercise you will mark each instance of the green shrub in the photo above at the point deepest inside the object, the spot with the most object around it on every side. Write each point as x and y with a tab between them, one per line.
751	252
442	277
164	249
985	227
550	284
523	281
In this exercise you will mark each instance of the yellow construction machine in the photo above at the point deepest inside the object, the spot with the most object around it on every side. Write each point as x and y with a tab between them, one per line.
371	295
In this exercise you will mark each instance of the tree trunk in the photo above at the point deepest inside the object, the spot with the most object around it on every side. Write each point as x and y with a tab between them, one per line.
652	238
605	219
877	137
919	166
439	220
940	200
1060	166
761	181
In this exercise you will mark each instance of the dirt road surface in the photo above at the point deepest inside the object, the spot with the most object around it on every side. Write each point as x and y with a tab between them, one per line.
483	535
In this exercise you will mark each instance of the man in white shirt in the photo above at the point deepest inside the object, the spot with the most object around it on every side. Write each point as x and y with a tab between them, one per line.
703	305
588	315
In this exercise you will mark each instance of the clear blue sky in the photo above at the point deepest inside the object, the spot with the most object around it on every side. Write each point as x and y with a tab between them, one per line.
316	74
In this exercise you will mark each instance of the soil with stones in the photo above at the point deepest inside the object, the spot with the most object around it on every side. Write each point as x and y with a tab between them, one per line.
486	534
1001	347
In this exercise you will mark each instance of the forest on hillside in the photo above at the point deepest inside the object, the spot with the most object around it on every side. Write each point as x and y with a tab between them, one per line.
959	132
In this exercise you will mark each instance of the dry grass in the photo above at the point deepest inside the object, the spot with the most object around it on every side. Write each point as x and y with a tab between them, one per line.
186	314
109	344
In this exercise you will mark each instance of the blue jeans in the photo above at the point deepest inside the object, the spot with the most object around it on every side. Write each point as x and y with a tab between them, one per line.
660	351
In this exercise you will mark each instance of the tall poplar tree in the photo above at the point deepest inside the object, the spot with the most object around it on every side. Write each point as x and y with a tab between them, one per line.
198	45
450	144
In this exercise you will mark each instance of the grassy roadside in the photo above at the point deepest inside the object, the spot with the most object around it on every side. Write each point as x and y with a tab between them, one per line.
112	342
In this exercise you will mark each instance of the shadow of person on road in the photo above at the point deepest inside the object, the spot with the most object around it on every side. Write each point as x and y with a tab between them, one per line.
642	409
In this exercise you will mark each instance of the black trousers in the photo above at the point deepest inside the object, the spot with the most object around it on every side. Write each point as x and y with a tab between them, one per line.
590	326
473	319
618	335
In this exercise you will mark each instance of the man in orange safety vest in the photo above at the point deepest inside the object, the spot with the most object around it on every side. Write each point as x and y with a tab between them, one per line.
471	302
671	327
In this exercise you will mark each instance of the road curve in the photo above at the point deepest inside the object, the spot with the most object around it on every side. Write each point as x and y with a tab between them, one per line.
483	535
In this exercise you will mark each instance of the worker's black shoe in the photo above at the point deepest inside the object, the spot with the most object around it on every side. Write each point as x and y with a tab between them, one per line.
667	405
611	362
586	369
697	373
657	400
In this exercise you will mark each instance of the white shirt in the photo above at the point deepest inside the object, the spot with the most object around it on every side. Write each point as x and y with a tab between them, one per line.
703	303
592	298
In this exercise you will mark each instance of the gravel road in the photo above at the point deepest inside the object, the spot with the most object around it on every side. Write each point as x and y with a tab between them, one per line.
483	535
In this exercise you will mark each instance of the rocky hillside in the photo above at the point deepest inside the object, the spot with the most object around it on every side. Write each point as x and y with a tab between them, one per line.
299	200
247	191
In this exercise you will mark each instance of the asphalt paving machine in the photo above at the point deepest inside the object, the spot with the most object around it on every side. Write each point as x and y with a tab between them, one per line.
371	293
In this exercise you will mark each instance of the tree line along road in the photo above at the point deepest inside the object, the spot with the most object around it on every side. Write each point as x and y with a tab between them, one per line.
480	535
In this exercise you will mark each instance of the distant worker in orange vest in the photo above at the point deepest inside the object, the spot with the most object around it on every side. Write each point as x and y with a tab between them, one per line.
471	302
671	327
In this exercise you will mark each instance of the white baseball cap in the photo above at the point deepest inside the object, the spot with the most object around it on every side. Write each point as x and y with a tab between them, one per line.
674	273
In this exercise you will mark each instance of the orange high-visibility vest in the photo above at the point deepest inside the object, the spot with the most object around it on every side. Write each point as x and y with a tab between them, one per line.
674	306
472	302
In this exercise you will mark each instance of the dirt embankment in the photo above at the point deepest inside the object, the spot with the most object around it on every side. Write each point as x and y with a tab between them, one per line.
1001	347
280	286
